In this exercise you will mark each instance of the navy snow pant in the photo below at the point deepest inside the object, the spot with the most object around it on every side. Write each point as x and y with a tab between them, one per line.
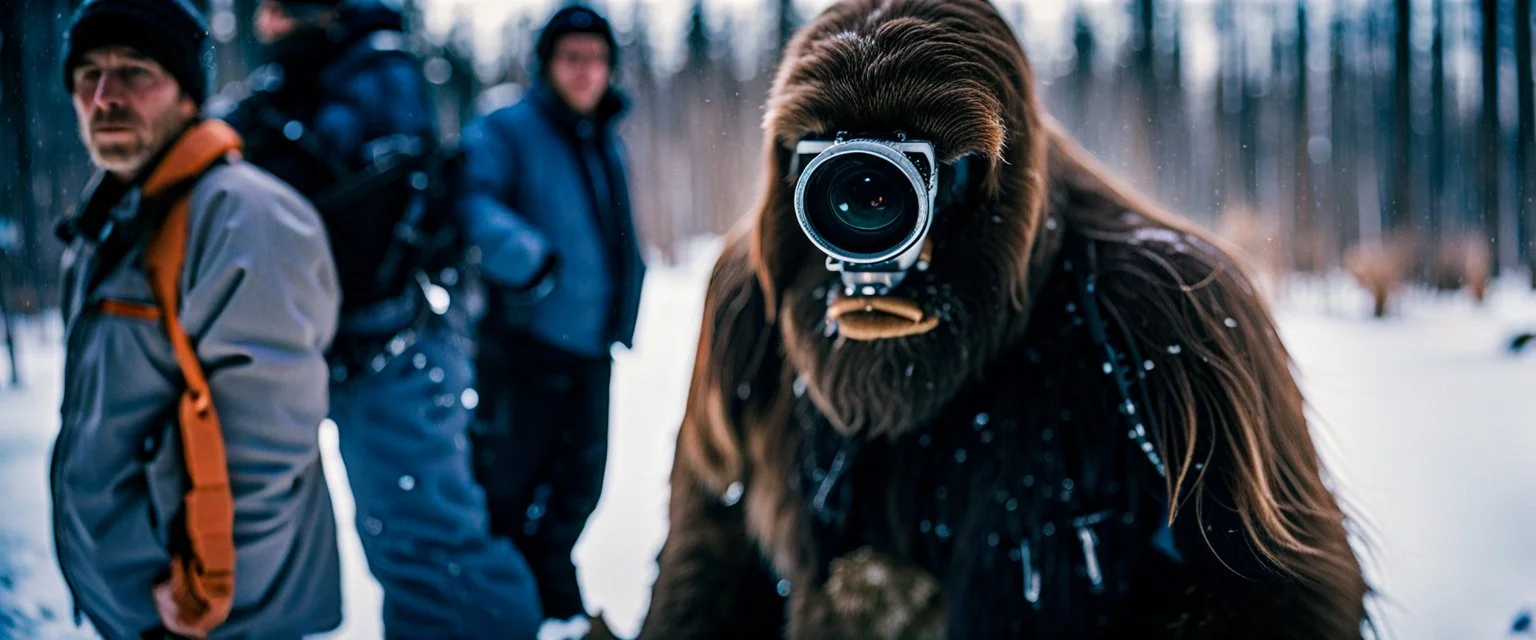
403	423
540	453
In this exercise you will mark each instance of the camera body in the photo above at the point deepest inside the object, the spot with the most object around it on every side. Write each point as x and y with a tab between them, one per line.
868	203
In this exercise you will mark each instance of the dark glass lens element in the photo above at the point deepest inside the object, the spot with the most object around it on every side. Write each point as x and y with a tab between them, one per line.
863	195
861	203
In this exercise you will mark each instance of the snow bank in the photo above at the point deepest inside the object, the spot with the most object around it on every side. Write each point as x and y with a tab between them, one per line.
1425	420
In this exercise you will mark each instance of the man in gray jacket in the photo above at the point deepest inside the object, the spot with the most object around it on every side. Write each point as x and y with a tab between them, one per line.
258	299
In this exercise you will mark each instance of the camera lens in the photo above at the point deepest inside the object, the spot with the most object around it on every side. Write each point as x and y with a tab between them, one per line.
864	196
861	203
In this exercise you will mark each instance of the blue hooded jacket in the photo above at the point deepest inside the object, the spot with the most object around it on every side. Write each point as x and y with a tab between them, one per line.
546	201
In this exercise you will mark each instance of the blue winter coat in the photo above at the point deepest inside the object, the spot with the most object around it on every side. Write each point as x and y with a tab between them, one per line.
529	195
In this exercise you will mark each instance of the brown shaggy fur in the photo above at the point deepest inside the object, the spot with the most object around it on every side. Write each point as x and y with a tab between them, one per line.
951	71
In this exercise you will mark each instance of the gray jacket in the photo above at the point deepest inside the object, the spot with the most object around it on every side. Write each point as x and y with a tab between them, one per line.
259	301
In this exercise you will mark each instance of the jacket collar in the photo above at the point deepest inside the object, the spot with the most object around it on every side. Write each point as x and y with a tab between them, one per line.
90	221
610	108
199	147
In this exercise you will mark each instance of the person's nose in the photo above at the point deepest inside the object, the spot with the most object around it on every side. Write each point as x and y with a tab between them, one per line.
109	91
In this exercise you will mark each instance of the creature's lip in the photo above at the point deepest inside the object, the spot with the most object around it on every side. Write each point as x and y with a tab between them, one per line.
869	318
896	306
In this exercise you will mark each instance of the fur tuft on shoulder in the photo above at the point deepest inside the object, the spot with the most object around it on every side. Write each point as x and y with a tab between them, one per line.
731	343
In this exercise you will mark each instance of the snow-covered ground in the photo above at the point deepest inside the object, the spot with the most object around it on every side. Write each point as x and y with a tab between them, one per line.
1427	422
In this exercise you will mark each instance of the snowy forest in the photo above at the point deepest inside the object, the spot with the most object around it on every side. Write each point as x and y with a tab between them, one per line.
1398	133
1354	150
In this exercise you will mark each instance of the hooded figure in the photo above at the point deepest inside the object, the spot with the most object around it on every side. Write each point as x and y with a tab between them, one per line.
1023	401
341	110
546	201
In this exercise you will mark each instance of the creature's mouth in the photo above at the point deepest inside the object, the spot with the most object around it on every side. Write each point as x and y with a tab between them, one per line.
870	318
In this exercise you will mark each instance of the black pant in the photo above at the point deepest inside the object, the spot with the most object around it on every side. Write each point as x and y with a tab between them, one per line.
540	450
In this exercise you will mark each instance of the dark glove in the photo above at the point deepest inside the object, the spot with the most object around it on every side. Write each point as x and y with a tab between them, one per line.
539	286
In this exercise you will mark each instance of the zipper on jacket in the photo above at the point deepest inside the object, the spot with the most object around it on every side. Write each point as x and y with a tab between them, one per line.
67	418
58	535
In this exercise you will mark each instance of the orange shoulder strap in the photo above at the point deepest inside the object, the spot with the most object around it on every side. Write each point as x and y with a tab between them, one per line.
203	582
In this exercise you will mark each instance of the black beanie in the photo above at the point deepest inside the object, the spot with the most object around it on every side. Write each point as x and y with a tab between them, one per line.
575	19
170	32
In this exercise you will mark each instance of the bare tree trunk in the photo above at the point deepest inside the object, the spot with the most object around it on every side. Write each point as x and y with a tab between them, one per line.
10	338
1305	238
1402	217
789	21
1340	134
1084	46
1489	129
1248	120
1367	129
1144	70
16	191
1440	153
1525	158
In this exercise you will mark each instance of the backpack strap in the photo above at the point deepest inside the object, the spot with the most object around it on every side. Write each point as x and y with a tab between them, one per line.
203	578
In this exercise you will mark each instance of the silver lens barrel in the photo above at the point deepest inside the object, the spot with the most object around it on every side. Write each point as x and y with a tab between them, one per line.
825	230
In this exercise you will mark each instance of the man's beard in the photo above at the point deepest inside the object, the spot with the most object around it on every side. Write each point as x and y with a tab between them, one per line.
129	156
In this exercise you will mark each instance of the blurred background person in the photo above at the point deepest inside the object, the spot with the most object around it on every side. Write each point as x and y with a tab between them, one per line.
547	204
341	110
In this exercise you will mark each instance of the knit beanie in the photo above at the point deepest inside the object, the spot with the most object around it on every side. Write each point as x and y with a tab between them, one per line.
575	19
170	32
